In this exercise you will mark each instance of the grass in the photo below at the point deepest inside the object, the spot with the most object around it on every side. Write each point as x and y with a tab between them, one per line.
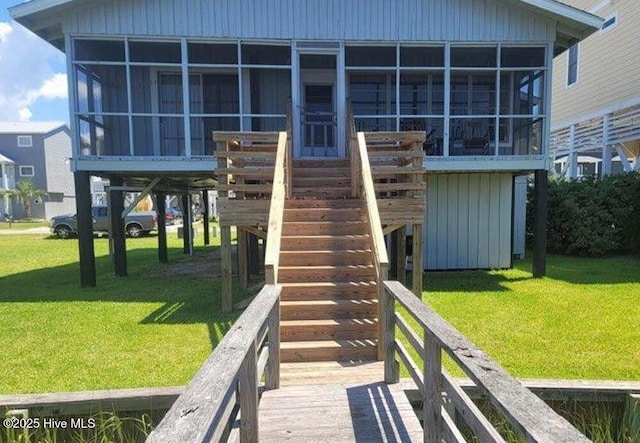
143	330
21	225
579	322
155	329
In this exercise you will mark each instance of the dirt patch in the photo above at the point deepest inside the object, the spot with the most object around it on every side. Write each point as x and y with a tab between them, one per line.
203	265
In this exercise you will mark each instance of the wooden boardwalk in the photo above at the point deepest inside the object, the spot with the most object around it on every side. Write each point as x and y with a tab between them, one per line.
344	404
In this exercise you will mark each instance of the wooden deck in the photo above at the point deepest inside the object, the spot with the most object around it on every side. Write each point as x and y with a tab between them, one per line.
356	412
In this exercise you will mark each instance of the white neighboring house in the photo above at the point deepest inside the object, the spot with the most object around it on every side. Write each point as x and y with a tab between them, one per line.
596	94
40	152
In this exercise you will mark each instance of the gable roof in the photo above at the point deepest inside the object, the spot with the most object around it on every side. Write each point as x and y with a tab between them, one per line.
573	24
26	128
6	160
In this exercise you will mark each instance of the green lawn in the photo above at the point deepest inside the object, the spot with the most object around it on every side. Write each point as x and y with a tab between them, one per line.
581	321
20	225
155	329
147	329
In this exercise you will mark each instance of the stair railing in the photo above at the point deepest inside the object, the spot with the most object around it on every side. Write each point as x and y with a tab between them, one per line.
526	412
276	210
230	377
368	195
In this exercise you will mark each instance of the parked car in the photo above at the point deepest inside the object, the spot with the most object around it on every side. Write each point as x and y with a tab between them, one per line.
173	215
136	224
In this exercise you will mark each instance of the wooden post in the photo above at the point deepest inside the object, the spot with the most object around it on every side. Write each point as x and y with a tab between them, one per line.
540	224
85	230
248	392
206	216
187	218
401	255
432	409
391	241
226	271
632	415
254	255
387	319
383	275
272	379
161	210
243	259
417	260
117	234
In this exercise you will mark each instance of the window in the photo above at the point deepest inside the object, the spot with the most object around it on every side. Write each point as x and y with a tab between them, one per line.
25	141
27	171
572	65
609	23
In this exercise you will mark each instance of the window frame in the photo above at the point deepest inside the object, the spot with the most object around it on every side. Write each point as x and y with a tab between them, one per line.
33	171
28	144
568	83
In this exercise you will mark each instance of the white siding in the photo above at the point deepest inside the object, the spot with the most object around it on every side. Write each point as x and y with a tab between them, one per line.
468	221
405	20
60	185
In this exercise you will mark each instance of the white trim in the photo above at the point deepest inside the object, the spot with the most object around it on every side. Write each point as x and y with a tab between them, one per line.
33	171
514	163
144	164
25	141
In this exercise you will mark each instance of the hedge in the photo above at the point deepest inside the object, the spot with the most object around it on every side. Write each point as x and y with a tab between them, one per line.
593	217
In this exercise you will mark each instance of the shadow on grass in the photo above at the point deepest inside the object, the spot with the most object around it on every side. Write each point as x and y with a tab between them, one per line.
574	270
186	300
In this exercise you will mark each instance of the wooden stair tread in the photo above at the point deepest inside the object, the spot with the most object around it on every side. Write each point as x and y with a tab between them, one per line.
365	343
348	302
330	322
326	284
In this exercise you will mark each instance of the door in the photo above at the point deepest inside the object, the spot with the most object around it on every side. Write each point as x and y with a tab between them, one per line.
318	114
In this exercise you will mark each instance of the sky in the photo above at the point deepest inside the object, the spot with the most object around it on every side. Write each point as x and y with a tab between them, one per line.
33	78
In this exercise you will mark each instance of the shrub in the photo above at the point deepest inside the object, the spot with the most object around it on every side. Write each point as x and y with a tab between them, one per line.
593	217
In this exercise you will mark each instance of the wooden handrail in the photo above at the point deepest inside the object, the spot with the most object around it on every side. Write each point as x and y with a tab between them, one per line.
352	144
527	413
231	374
276	211
369	196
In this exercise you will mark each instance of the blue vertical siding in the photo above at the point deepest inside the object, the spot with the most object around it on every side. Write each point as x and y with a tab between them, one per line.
378	20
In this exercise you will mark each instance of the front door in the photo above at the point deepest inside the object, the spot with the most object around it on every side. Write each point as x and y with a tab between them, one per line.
318	110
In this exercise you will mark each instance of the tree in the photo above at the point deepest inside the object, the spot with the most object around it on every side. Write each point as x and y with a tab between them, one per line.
26	192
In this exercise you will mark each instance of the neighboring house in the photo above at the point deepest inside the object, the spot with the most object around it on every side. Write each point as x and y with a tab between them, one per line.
150	80
40	152
596	92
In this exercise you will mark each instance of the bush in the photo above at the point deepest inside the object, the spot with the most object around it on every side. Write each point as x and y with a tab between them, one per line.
593	217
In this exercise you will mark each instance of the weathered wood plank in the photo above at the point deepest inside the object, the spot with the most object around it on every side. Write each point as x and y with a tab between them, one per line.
197	411
248	393
387	309
432	409
410	364
272	379
470	413
528	413
338	413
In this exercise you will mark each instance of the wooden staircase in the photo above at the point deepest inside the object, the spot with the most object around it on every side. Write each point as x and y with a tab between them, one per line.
329	304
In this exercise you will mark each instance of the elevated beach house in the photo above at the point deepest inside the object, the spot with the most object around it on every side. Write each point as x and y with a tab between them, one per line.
161	93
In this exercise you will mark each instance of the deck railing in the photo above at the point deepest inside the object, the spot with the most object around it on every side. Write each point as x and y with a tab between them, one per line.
528	414
276	210
221	401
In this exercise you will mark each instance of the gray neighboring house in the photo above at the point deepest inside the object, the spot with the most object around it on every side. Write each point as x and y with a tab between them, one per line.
40	152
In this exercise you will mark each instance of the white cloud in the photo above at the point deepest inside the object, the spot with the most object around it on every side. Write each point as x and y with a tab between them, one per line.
25	114
29	74
5	30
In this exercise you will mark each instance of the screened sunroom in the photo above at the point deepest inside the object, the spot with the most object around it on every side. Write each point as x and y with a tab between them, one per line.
150	98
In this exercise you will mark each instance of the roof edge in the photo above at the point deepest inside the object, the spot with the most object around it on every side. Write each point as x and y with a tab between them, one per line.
34	6
573	13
